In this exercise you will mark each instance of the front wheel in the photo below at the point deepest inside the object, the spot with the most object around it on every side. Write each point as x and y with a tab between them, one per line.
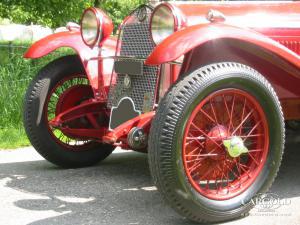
216	142
59	86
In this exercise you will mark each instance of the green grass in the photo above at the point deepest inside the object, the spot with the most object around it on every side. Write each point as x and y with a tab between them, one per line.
15	76
11	138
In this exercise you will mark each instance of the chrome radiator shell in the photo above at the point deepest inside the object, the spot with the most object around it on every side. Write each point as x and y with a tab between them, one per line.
135	43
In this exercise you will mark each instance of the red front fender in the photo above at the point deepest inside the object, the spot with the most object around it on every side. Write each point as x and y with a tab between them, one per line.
187	39
52	42
72	39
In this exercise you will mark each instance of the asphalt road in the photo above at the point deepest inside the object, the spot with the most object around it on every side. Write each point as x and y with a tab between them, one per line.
118	191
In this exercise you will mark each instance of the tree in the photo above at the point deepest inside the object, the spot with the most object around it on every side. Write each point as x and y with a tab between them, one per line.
119	9
52	13
55	13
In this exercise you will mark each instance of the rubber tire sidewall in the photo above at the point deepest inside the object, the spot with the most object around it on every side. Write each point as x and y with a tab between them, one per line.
35	121
237	77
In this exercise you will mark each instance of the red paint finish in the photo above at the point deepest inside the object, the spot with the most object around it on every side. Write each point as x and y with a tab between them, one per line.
77	112
292	45
242	13
265	36
283	76
268	31
72	96
84	133
73	40
284	62
185	40
223	115
52	42
277	20
121	132
291	108
69	119
288	37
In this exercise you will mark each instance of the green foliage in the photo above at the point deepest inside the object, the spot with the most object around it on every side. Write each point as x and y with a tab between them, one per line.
55	13
15	76
11	138
16	73
119	9
52	13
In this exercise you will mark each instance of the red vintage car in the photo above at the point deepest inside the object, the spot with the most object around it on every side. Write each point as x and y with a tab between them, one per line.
205	88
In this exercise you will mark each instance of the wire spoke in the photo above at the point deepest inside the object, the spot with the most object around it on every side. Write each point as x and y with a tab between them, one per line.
224	115
193	151
206	135
226	106
243	114
245	170
254	160
202	145
208	116
256	150
231	113
51	108
213	110
239	169
196	166
202	155
240	125
212	168
251	131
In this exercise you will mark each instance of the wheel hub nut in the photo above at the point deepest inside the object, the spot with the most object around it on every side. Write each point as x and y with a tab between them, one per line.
216	135
137	138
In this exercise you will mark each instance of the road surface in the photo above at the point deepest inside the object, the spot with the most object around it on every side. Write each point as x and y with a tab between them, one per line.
118	191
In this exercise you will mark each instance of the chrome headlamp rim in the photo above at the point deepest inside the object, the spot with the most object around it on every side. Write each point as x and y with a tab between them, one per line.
174	15
99	22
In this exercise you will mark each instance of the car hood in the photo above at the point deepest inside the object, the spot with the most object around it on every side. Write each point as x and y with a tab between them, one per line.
252	14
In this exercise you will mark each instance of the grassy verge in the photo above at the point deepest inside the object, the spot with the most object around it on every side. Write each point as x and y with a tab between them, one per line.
15	76
11	138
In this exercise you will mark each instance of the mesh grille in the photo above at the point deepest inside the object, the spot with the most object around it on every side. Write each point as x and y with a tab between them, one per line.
136	42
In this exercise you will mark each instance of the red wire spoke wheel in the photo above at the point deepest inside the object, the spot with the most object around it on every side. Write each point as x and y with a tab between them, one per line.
216	142
229	114
66	94
59	86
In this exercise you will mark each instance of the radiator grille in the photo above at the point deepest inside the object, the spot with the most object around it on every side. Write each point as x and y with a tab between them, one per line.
135	40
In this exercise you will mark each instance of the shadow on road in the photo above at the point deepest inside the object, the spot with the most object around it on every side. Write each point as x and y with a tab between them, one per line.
117	191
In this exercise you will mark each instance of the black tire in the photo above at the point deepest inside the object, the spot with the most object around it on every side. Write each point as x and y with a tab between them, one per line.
35	123
165	141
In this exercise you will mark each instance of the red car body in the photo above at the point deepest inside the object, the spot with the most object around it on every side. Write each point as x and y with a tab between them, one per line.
270	30
263	36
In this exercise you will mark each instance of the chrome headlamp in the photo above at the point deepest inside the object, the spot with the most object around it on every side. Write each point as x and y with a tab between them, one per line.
91	28
95	26
163	23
